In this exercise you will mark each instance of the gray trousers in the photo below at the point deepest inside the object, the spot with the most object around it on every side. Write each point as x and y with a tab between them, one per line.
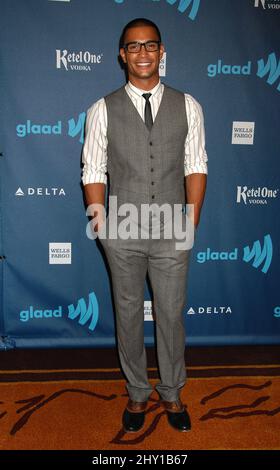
130	261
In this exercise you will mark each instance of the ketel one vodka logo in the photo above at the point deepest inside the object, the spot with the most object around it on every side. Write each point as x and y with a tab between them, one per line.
260	3
82	313
257	195
267	4
82	60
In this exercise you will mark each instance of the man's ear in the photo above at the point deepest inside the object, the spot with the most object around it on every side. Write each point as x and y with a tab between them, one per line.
122	54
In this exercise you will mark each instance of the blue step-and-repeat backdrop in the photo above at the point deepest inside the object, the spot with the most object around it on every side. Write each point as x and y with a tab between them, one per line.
57	58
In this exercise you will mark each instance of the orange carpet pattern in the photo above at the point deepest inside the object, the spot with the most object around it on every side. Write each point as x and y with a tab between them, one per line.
226	413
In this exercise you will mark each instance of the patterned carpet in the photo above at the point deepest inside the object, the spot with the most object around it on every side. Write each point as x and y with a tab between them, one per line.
227	412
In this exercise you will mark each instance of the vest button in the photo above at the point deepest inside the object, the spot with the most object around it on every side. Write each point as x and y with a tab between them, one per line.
153	196
153	182
152	169
151	143
151	156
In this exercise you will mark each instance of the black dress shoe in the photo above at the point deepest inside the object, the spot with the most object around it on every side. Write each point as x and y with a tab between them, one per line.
180	421
177	415
134	416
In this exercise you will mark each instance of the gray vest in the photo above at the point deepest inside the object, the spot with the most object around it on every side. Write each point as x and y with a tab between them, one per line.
146	167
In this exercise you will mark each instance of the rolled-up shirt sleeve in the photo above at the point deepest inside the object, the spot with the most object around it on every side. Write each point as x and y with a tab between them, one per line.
94	155
195	153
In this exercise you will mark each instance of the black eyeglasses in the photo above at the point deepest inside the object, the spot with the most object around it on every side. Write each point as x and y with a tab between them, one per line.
134	47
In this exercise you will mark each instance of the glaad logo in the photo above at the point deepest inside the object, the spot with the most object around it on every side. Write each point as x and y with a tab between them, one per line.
257	253
272	68
277	312
31	314
225	69
210	255
29	128
255	195
182	7
75	128
85	314
77	60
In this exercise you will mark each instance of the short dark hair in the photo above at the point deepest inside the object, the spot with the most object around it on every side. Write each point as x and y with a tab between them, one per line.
138	22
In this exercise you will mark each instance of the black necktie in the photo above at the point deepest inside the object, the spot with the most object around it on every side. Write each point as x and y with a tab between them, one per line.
148	111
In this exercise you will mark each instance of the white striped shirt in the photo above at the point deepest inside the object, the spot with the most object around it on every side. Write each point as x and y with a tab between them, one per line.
94	155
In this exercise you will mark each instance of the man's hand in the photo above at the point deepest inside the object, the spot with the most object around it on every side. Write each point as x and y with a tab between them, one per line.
98	214
98	219
195	191
95	198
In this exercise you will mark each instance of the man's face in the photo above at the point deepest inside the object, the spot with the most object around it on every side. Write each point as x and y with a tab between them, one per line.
142	65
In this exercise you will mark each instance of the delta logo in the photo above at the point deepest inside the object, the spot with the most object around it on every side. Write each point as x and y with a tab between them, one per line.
47	191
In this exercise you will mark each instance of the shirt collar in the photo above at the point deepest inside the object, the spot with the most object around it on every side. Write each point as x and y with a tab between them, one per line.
133	90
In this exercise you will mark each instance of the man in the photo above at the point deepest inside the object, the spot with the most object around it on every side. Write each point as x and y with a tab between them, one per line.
150	140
